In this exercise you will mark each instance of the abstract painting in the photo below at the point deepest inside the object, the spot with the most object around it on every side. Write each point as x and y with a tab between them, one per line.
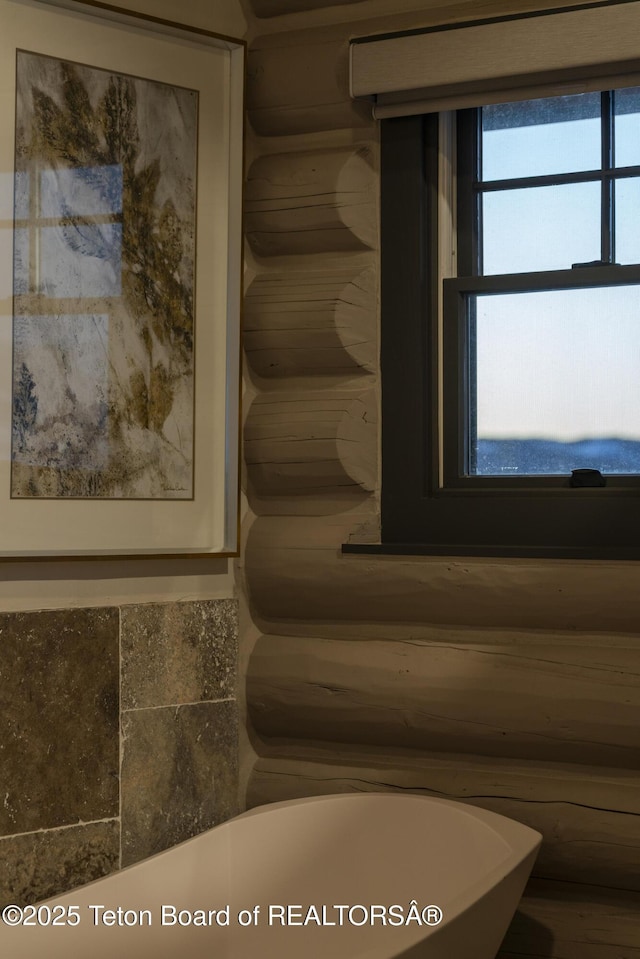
103	278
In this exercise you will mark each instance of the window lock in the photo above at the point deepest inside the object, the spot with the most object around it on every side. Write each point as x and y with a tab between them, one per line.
586	477
591	263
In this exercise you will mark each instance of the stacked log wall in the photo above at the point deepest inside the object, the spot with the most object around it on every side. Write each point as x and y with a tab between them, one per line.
513	685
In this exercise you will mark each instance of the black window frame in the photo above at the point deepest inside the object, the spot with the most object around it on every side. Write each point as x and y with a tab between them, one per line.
479	515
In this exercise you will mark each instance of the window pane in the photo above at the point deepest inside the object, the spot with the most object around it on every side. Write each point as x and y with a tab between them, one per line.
542	228
628	221
627	126
558	382
536	137
81	191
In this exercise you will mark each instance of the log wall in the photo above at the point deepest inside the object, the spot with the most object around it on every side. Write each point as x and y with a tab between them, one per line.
510	684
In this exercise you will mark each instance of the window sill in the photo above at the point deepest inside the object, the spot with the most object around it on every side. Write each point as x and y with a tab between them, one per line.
609	553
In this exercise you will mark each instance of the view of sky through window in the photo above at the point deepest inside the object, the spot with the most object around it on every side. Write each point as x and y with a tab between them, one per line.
558	371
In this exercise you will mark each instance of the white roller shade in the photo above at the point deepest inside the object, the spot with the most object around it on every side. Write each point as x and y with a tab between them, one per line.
445	68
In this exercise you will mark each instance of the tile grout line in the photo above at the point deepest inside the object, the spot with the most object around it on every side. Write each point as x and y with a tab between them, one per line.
200	702
65	826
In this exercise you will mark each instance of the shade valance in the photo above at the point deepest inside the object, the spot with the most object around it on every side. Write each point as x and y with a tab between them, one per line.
576	50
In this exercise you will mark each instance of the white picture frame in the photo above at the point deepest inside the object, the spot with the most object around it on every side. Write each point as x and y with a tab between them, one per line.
40	521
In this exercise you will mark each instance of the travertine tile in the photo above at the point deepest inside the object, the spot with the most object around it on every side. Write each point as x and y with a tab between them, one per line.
177	653
179	774
59	718
42	864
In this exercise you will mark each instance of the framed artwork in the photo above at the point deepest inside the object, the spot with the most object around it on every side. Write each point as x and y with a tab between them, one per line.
120	283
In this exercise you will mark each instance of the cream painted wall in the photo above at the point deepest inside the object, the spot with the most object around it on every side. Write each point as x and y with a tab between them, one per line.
221	16
52	585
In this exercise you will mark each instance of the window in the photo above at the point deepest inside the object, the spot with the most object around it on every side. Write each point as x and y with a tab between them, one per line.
68	231
511	328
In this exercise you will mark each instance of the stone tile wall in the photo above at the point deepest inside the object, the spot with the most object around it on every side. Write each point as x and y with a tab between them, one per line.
118	737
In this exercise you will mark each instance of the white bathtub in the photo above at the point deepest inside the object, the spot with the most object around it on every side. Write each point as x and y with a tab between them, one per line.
366	858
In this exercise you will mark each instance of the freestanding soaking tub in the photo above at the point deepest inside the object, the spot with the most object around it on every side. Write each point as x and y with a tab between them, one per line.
352	876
